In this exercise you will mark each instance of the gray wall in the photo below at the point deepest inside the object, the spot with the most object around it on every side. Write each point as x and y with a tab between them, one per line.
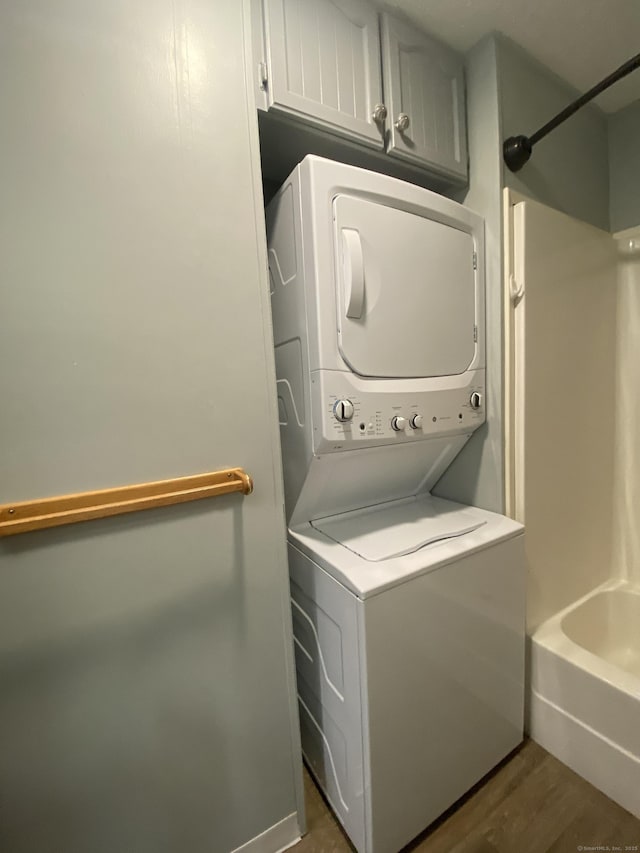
509	93
569	168
624	167
477	475
146	680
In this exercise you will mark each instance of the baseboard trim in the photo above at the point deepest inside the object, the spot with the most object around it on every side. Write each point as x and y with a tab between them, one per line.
278	837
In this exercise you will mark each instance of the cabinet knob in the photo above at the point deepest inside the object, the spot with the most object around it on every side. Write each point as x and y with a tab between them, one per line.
379	113
403	122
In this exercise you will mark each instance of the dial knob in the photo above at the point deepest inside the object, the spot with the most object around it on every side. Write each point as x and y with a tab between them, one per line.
343	410
475	400
398	423
416	422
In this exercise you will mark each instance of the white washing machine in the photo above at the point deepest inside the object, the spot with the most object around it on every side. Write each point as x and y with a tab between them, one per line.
408	609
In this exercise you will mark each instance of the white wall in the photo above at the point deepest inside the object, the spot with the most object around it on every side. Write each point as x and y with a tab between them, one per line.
146	681
627	497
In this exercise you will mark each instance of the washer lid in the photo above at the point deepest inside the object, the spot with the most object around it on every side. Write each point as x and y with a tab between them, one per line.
406	291
401	528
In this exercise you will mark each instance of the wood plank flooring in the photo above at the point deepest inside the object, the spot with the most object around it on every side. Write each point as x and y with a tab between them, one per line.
530	803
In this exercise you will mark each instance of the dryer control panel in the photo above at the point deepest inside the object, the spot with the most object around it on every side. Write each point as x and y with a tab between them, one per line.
350	412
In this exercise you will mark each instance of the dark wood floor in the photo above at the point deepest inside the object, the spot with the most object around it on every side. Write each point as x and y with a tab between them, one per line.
531	803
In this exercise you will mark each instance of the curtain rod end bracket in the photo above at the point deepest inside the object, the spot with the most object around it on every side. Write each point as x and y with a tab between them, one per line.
516	151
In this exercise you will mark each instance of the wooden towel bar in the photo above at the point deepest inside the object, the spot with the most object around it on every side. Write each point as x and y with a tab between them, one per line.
67	509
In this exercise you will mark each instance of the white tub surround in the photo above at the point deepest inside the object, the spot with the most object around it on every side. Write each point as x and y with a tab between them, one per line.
560	407
572	332
627	451
585	690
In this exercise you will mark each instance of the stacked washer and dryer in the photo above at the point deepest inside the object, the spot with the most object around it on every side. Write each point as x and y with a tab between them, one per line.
408	609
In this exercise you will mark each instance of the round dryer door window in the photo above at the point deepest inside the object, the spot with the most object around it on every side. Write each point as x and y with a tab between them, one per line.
406	292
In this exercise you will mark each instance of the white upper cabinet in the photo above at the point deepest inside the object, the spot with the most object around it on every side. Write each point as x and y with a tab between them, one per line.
368	77
424	96
323	64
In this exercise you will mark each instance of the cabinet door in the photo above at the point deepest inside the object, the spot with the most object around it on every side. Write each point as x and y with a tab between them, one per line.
324	64
424	81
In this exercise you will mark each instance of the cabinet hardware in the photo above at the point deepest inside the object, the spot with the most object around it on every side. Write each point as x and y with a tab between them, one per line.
379	113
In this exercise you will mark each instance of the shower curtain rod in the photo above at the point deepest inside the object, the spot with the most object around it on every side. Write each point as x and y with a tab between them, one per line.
516	150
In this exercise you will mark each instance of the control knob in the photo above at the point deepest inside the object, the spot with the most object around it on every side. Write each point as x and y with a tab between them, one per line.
343	410
475	400
416	422
398	423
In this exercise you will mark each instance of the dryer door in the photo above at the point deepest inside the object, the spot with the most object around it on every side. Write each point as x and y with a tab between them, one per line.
406	292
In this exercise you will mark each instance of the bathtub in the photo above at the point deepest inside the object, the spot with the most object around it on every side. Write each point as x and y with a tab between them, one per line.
585	690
